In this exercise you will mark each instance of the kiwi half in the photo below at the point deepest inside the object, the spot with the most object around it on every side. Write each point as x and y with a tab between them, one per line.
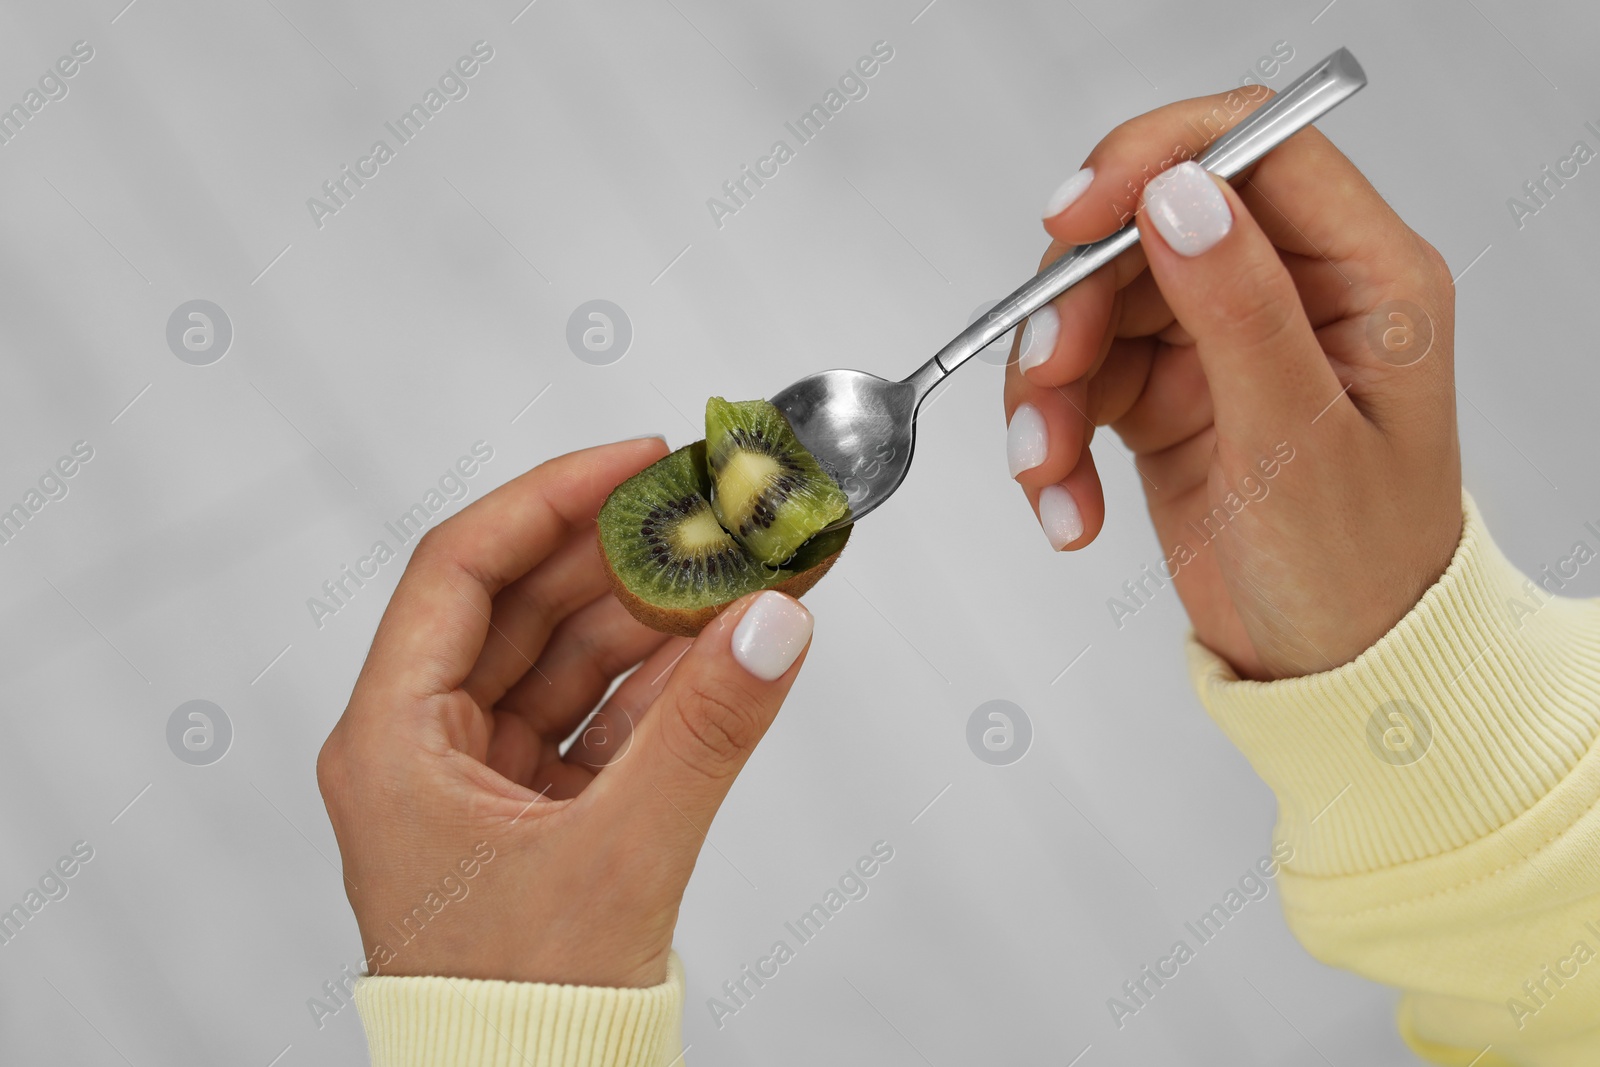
673	564
767	490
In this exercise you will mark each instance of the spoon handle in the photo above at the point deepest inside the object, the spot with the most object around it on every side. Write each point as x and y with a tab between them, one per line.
1307	99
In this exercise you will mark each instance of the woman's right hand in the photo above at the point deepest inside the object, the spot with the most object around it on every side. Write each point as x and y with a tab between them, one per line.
1279	360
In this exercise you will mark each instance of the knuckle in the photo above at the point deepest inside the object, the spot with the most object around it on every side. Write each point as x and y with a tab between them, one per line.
718	727
540	602
332	772
432	542
1429	253
1256	308
1433	267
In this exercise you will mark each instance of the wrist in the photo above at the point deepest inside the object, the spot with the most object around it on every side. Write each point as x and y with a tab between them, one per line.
1462	717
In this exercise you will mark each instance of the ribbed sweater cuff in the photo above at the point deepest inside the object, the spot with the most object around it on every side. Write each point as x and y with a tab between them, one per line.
1472	708
458	1022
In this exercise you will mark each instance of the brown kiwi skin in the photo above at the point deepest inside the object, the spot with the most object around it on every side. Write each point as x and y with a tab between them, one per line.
685	622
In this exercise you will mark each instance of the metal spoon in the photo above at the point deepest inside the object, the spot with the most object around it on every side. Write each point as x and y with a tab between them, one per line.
861	427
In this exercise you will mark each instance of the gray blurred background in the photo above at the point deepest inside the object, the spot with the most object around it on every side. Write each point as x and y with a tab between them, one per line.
431	312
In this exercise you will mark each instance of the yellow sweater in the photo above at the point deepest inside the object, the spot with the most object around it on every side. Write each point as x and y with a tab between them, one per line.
1440	795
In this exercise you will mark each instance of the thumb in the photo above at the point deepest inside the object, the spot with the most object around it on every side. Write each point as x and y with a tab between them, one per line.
1223	280
697	735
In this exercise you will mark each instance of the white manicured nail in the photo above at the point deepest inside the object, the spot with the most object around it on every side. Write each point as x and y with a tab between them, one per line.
772	633
1060	517
1027	439
1188	209
1068	192
1039	337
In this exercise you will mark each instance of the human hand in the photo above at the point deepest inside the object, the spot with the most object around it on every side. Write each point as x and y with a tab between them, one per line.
1244	349
472	847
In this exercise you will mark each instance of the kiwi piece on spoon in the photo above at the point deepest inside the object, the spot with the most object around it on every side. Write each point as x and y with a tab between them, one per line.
671	562
767	490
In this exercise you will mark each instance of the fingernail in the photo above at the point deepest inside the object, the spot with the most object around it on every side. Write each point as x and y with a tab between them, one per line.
1188	209
1027	439
646	436
772	633
1068	192
1039	337
1060	517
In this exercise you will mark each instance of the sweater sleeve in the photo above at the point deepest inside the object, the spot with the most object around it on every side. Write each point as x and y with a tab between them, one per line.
1439	795
458	1022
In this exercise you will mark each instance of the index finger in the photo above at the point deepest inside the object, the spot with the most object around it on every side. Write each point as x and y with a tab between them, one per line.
1331	227
1307	196
436	622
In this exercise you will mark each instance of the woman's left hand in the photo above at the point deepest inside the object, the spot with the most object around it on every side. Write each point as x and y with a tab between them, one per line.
472	846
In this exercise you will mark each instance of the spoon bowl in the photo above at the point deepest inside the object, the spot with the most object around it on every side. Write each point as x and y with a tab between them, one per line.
861	428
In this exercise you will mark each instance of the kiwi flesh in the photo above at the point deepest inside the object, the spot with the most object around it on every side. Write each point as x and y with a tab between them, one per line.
767	490
674	566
